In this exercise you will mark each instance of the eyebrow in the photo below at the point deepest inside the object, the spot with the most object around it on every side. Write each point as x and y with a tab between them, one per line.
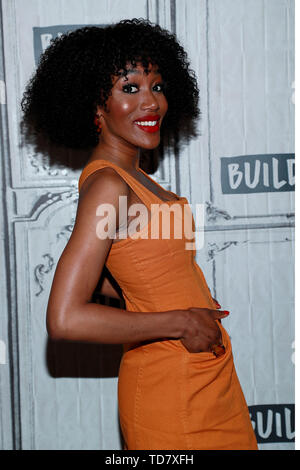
134	72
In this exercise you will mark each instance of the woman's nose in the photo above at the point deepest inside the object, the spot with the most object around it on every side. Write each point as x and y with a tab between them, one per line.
149	101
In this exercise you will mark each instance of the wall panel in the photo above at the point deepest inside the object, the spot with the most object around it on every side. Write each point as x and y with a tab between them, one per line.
55	396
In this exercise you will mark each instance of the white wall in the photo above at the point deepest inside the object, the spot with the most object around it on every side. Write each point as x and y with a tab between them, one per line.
59	397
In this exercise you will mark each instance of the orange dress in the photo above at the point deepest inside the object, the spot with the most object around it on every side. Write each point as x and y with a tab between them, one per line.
168	397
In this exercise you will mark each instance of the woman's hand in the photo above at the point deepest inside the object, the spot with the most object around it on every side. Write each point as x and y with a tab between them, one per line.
202	333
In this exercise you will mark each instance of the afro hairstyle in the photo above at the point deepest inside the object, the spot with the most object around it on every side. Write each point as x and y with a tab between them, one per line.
74	76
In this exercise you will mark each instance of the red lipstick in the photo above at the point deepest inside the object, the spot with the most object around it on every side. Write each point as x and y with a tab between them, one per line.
148	127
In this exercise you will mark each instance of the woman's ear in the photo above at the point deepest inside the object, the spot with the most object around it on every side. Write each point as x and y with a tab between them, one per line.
99	110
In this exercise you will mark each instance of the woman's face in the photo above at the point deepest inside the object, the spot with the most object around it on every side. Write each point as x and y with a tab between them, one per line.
136	108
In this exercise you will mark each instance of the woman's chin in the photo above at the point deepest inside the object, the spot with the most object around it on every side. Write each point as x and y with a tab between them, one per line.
150	145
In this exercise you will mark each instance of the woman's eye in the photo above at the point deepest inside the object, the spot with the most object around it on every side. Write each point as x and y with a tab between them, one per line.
160	86
133	88
128	88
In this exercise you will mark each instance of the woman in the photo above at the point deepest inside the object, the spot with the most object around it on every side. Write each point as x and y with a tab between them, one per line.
116	90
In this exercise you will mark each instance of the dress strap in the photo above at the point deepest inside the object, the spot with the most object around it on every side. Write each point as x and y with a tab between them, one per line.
144	194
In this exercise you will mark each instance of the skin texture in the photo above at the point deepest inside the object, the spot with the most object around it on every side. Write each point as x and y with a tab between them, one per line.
70	314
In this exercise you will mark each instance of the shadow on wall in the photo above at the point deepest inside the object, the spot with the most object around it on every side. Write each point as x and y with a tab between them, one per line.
82	360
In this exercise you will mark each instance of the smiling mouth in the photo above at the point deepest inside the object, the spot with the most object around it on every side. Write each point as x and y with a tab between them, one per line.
148	126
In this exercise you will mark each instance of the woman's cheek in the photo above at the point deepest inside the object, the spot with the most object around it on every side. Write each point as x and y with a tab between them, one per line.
125	106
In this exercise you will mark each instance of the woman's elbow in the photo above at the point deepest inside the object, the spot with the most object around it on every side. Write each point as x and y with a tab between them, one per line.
56	329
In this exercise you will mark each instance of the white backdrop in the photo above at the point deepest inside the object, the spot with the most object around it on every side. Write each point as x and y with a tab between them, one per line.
241	167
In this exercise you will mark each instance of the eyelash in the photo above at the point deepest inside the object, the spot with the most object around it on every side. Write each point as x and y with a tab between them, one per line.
126	87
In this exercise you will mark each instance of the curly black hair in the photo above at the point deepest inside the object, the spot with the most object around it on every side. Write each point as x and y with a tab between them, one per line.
75	72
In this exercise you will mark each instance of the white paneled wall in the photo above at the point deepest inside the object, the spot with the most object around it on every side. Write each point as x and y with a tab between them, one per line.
60	397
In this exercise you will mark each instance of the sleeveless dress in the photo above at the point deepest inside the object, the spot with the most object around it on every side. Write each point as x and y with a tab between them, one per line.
170	398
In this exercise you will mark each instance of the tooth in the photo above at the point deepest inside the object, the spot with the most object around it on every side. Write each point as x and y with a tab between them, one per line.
146	123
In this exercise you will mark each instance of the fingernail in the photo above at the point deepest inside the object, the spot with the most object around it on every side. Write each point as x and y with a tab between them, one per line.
226	312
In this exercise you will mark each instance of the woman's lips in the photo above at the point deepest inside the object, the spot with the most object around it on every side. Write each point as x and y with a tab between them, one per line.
150	129
151	126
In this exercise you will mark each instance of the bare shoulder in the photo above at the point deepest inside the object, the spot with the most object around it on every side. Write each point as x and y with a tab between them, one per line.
104	186
105	183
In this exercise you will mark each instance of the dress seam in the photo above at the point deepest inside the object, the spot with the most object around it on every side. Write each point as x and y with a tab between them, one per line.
150	294
137	400
183	385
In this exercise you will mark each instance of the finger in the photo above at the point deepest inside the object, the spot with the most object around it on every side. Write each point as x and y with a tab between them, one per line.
220	314
218	350
215	313
200	309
